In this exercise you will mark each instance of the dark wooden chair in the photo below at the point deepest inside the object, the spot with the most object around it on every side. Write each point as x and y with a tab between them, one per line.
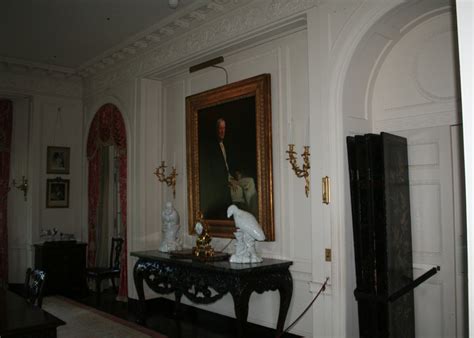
111	272
34	286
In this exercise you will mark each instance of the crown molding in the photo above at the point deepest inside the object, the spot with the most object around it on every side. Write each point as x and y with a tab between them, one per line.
37	81
237	21
193	30
183	20
37	65
19	65
170	28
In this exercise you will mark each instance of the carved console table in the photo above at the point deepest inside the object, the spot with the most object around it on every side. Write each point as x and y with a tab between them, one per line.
207	282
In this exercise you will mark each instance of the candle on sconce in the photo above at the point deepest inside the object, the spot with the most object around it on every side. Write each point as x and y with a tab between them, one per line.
174	159
290	131
306	132
28	136
162	135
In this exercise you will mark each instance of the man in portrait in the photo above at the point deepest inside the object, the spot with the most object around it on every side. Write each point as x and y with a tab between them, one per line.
222	175
215	173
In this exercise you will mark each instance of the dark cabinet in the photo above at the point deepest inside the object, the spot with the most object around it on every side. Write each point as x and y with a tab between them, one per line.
65	265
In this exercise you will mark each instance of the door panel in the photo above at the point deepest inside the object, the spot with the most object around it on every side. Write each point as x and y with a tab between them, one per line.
432	213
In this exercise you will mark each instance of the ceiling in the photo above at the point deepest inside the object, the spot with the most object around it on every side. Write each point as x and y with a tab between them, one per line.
71	33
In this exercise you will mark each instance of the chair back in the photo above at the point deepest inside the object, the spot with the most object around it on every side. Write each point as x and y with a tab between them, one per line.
34	286
116	253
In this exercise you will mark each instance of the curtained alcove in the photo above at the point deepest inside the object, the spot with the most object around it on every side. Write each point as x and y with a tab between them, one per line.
106	130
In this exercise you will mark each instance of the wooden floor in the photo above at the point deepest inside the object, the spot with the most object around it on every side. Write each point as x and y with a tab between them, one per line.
192	322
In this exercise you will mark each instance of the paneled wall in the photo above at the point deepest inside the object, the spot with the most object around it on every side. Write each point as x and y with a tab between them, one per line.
286	60
19	233
37	125
60	124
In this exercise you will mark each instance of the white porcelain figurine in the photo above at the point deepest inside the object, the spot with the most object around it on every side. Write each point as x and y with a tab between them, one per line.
170	229
248	231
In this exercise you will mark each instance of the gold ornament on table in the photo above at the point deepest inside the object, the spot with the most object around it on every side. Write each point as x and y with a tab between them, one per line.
170	180
300	172
203	248
203	251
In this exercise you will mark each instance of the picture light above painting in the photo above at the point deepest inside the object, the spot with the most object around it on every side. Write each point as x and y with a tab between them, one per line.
229	155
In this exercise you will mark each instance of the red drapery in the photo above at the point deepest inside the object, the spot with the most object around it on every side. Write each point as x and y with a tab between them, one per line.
107	128
5	145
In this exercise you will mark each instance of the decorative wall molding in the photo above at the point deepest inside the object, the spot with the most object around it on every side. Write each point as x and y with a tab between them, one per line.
37	68
36	81
417	109
437	119
238	19
431	46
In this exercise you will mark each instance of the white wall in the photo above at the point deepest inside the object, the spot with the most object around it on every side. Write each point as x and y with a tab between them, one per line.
36	98
19	210
63	129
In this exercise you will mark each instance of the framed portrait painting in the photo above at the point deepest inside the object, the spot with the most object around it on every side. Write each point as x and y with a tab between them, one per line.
57	193
229	155
57	160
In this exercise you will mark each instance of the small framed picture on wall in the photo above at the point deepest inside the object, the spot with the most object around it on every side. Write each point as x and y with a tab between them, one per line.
57	161
57	193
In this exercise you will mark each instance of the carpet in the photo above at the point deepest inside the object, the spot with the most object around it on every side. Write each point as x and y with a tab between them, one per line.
84	321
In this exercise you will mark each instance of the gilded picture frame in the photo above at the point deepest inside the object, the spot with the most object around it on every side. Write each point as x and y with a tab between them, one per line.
229	155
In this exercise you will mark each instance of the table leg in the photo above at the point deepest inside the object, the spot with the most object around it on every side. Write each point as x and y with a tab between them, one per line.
138	279
241	308
177	301
98	283
286	291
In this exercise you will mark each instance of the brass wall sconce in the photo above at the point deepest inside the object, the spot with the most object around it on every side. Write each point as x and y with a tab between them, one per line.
300	172
170	180
23	186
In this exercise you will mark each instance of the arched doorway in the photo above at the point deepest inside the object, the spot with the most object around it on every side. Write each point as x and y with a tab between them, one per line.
107	133
401	79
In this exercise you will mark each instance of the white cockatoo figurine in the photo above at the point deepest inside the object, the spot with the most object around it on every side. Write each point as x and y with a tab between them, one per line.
248	231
